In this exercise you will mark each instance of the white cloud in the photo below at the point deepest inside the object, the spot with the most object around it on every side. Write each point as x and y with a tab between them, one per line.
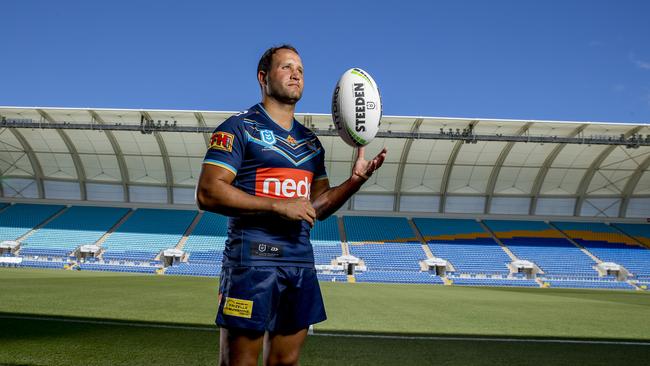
640	63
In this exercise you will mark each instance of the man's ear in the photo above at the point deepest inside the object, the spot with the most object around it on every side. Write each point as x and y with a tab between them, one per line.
262	78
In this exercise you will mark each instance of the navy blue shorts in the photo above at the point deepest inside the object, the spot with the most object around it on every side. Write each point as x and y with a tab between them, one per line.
273	299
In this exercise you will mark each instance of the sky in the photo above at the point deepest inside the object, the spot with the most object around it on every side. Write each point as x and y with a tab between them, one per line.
564	60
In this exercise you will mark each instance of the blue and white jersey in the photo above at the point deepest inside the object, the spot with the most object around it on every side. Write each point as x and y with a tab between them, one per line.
268	161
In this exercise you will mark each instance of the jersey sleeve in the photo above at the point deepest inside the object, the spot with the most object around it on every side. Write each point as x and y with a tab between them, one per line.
320	172
227	145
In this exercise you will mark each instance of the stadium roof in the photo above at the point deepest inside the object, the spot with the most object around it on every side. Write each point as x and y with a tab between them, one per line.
434	164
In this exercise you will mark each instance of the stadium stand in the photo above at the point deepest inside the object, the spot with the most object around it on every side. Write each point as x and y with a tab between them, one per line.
640	232
77	226
117	268
539	243
609	245
389	256
204	246
42	264
146	233
502	282
598	284
326	241
387	276
465	244
387	246
378	229
332	277
17	220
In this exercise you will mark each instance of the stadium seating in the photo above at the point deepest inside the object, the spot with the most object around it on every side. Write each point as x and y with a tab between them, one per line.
500	282
378	229
332	277
537	242
612	285
326	241
77	226
19	219
609	245
465	244
206	242
387	276
147	232
387	246
117	268
194	269
326	230
42	264
640	232
389	256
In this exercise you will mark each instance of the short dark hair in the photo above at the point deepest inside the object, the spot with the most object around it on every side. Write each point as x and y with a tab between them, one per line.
267	57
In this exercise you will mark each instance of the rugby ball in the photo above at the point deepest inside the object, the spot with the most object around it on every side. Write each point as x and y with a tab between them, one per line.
356	107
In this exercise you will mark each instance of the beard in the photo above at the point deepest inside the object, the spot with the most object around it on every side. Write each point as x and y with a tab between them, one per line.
283	94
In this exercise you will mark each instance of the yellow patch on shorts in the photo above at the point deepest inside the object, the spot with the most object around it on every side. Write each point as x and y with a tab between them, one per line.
238	307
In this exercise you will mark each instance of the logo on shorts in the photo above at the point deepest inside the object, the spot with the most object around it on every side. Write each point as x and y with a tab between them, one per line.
267	136
222	141
238	307
266	250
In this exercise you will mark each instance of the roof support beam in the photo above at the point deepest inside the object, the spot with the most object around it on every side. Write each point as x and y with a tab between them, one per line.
203	124
541	175
78	166
589	175
36	164
11	164
402	162
124	170
169	177
448	168
585	140
498	165
631	184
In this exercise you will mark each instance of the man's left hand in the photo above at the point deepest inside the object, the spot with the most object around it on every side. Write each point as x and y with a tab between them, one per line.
363	168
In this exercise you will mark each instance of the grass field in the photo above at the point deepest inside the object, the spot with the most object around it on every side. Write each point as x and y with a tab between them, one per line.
41	310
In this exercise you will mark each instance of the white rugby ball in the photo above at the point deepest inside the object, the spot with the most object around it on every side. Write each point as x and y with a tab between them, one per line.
356	107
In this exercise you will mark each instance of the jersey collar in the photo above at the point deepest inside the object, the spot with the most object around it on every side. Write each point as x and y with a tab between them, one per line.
260	107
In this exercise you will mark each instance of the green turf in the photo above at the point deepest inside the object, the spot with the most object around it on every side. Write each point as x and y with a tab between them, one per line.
33	342
352	308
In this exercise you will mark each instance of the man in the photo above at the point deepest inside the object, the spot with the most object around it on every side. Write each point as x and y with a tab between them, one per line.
266	171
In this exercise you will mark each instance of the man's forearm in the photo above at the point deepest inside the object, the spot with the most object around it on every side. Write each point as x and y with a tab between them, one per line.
332	199
225	199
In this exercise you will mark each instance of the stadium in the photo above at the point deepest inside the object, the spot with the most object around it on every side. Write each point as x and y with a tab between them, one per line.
506	237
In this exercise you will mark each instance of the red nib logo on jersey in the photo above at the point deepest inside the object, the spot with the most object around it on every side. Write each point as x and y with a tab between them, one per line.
283	182
222	141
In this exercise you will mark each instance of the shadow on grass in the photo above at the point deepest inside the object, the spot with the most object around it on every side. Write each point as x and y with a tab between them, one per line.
59	325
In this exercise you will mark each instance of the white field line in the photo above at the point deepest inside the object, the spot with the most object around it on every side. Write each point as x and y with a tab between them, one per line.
345	335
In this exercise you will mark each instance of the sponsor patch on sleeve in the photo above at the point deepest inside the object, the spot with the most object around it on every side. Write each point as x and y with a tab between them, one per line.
222	141
238	307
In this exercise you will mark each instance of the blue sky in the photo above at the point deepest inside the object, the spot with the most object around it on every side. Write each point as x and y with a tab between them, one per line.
555	60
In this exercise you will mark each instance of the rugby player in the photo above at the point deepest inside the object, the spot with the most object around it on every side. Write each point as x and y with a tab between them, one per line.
266	171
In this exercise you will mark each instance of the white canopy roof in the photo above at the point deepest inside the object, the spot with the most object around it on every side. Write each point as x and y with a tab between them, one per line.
418	175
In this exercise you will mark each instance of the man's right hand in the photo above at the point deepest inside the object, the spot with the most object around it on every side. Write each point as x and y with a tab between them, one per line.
295	209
